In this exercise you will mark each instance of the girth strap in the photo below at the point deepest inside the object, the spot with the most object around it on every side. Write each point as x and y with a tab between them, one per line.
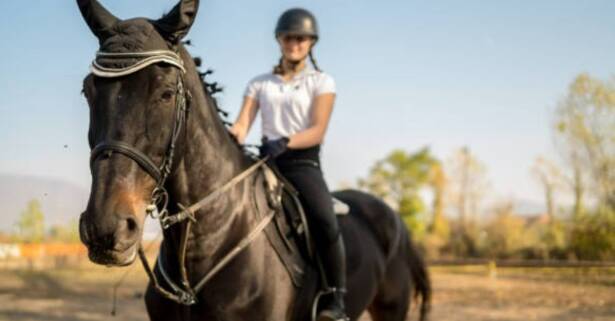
116	146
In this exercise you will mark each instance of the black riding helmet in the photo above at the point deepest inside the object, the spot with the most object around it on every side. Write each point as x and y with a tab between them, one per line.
297	21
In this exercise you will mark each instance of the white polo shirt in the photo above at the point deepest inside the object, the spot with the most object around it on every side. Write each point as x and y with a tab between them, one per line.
286	107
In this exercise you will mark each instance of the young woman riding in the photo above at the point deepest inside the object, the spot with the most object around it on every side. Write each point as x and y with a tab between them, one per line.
296	101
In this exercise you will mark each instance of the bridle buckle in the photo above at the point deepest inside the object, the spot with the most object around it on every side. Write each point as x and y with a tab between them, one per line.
186	298
167	221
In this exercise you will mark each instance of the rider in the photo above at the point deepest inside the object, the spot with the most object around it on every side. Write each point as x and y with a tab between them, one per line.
296	101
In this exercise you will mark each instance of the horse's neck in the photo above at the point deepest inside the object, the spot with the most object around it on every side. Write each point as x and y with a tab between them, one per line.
208	160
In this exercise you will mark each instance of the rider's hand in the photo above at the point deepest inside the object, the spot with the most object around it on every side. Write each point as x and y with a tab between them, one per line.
239	132
273	148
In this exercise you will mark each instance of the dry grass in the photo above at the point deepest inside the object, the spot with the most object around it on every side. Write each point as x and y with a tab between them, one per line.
460	293
474	293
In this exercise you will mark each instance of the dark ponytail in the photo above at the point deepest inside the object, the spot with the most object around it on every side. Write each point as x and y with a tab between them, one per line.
279	68
313	61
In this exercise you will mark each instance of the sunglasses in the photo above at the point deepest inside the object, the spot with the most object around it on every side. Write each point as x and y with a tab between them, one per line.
297	38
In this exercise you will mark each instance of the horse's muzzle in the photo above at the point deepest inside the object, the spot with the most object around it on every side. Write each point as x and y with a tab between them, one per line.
115	246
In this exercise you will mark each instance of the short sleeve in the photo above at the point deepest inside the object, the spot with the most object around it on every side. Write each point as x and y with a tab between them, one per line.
253	88
326	85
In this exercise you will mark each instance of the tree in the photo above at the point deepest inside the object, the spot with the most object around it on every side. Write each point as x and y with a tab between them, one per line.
585	132
66	233
548	239
437	182
550	177
467	184
31	223
505	233
438	231
584	127
592	236
577	184
398	179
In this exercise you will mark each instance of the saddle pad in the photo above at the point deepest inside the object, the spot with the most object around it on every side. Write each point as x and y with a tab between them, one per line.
339	207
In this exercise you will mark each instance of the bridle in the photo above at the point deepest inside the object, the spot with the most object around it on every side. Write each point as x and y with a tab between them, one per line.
113	65
159	198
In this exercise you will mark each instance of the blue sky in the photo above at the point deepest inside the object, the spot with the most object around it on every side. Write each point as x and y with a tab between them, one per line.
444	74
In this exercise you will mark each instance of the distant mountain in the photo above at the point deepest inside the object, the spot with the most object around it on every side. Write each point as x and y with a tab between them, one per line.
61	201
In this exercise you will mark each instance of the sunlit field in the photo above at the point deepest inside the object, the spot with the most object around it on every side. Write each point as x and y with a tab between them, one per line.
460	293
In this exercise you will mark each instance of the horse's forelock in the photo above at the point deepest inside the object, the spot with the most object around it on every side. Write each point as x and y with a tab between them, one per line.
134	35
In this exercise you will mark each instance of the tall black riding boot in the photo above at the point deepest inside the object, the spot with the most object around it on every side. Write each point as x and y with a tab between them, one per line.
334	264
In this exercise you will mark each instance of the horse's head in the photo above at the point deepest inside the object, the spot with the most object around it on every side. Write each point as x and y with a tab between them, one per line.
133	94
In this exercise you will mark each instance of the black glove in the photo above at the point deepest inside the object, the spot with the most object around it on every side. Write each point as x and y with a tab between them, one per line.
273	148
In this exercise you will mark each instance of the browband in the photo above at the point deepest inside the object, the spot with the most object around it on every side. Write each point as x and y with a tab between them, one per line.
141	60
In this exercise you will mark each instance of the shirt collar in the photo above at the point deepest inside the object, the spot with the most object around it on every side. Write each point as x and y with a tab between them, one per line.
308	70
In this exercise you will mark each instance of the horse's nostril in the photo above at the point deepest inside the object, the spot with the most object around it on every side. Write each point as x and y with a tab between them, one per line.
131	224
127	227
127	233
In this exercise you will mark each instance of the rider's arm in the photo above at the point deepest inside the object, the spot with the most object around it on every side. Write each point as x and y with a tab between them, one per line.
313	135
244	121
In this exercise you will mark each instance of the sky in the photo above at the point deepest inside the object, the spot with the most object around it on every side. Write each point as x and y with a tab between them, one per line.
409	74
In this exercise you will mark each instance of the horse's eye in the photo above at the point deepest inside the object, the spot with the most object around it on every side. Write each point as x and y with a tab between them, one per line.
168	94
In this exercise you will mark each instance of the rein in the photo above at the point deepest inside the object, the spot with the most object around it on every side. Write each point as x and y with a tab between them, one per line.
113	65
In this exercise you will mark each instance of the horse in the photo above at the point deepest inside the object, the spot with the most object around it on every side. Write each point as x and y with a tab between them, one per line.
158	144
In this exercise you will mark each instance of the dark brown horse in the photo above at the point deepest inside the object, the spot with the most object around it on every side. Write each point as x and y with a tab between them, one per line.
157	139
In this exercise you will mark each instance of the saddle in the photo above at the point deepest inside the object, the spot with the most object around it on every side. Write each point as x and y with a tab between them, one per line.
289	233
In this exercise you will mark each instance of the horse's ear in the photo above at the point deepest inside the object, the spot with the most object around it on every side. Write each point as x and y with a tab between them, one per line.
176	24
99	20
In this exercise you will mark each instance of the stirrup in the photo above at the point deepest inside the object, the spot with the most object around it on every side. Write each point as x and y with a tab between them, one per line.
330	316
319	317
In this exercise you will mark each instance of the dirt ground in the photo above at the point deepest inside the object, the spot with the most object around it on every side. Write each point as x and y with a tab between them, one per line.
460	293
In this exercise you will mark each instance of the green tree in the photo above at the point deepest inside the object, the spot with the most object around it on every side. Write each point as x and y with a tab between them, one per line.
505	233
398	179
31	223
584	129
552	235
592	236
65	233
585	132
551	179
437	182
438	231
577	185
467	184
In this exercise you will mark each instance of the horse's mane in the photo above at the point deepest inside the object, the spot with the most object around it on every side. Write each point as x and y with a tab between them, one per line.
211	88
